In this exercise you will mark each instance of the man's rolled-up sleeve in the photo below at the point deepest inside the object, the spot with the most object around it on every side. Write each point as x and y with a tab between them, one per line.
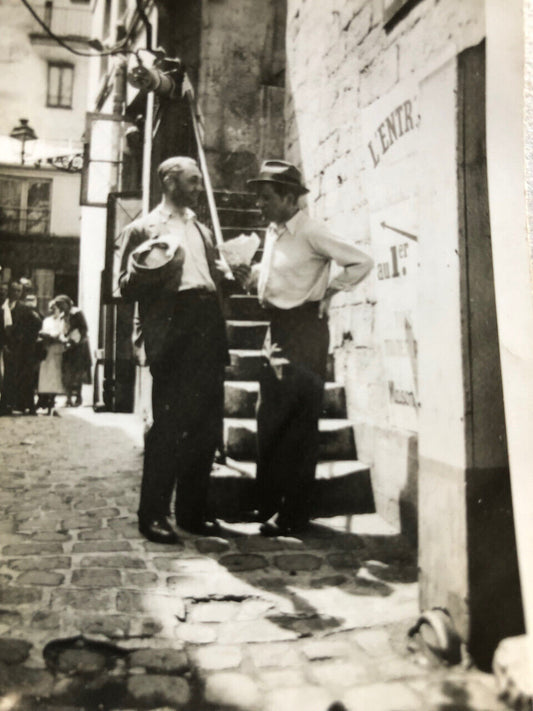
355	264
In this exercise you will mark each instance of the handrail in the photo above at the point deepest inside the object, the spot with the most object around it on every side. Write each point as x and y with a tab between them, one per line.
188	92
207	180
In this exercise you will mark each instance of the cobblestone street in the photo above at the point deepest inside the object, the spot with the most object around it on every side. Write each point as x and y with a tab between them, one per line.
233	622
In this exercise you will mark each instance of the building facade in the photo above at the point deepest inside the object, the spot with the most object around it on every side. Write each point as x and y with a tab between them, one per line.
387	122
44	84
353	125
39	229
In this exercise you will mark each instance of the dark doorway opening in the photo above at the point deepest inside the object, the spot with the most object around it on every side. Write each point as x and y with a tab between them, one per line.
66	284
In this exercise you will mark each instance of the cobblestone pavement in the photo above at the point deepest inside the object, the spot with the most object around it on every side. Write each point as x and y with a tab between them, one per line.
92	616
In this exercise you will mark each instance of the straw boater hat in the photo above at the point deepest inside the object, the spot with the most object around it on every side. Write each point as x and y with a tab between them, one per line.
282	173
156	261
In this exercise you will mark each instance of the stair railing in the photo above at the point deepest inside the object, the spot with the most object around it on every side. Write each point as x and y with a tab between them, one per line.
188	92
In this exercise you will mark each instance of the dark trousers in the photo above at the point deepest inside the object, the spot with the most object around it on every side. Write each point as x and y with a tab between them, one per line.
19	377
187	401
289	406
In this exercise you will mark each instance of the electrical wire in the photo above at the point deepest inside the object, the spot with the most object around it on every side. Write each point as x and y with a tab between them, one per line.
119	48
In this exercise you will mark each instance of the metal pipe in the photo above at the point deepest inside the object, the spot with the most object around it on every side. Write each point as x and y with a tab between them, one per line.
203	167
147	153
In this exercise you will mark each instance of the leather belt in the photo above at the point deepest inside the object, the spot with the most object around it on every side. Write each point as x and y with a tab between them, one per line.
198	292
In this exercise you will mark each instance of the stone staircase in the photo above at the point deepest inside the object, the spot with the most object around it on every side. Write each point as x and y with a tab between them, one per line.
343	484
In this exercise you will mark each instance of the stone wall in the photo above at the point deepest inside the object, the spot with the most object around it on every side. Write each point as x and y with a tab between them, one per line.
240	87
352	122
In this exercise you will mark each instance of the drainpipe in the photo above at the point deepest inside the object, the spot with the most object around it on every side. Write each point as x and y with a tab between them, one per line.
143	386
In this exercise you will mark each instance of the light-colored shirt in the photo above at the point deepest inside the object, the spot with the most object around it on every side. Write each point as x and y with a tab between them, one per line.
183	232
6	308
53	326
296	263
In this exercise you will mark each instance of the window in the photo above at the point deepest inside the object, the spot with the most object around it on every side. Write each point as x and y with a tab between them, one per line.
25	205
60	84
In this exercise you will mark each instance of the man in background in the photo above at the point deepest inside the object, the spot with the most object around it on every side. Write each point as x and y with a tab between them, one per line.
3	300
21	327
30	300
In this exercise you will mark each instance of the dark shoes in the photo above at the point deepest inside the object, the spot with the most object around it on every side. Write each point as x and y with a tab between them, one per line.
271	529
158	531
202	528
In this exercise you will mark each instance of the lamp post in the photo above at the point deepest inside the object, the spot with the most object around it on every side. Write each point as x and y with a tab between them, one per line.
23	132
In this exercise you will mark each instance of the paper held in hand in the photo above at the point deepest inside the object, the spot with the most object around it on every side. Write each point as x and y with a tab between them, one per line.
240	250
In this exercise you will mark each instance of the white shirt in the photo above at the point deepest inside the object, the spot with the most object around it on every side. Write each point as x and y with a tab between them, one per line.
183	232
297	256
54	326
6	308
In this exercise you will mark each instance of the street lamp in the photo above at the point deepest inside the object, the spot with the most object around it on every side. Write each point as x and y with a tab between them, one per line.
23	132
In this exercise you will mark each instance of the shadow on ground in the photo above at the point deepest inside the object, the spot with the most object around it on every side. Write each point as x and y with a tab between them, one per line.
74	563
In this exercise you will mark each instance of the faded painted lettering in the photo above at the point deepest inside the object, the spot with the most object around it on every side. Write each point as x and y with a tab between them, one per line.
399	122
396	267
401	397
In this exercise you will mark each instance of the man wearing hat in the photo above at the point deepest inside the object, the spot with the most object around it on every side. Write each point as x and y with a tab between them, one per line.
21	326
168	266
294	285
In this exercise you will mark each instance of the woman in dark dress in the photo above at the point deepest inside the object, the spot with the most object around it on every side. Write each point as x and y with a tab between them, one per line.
76	369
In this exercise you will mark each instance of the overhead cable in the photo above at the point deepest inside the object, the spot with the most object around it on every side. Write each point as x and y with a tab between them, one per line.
119	48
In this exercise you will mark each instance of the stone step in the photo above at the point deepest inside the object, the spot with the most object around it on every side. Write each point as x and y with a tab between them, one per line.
341	488
246	334
246	364
240	399
249	219
245	307
336	439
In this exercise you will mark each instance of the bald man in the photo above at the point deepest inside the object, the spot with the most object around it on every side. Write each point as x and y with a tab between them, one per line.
185	342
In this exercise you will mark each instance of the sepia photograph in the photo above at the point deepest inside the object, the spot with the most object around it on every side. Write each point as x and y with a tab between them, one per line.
211	210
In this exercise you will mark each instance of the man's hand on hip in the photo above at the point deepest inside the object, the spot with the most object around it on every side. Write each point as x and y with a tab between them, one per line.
323	307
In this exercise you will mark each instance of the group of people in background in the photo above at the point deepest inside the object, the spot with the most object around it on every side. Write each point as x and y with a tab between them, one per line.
40	357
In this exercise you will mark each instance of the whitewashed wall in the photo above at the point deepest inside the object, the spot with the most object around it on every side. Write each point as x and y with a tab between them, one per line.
346	75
